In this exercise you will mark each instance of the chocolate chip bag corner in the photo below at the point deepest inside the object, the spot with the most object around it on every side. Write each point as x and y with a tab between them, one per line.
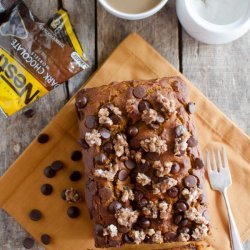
33	60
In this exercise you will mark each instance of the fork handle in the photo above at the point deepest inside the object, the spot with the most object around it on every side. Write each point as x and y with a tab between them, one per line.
235	238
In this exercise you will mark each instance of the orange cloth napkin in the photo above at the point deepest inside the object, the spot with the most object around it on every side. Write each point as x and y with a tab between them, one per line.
133	59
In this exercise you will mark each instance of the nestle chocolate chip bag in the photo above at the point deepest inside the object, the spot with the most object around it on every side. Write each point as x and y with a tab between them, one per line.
33	60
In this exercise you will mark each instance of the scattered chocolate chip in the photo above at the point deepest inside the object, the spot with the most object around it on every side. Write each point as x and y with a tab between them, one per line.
177	219
198	163
116	119
75	176
173	192
108	148
28	243
73	212
76	155
183	223
123	229
45	239
122	175
180	130
105	193
138	195
105	133
43	138
180	206
57	165
46	189
130	164
29	113
169	236
152	156
144	167
49	172
35	215
191	107
175	168
144	105
98	230
91	121
139	91
127	239
82	102
83	144
132	131
183	230
192	142
142	203
160	118
190	181
63	195
114	206
148	239
101	159
144	222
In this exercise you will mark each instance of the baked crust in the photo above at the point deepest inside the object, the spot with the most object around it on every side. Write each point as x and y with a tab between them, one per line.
144	172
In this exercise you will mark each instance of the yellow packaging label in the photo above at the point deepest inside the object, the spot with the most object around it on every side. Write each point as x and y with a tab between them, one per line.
18	87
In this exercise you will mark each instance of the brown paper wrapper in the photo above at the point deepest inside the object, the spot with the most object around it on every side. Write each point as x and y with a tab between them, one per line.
133	59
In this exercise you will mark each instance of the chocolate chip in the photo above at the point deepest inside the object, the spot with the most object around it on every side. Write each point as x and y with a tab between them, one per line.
192	142
29	113
183	230
45	239
169	236
35	215
28	243
152	156
130	164
101	159
180	130
43	138
46	189
114	206
57	165
127	239
81	102
148	239
123	229
116	119
83	144
198	163
177	219
132	131
108	148
122	175
49	172
63	195
173	192
138	195
143	105
144	222
175	168
160	118
76	155
75	176
91	121
144	167
180	206
73	212
105	133
142	203
191	107
98	230
105	193
183	223
190	181
139	91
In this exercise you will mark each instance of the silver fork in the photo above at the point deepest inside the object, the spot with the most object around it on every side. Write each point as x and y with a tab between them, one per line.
220	179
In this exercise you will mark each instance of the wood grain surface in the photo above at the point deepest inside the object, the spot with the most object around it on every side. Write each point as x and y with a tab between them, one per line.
221	72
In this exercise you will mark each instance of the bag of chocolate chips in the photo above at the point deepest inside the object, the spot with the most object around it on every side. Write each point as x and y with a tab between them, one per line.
33	60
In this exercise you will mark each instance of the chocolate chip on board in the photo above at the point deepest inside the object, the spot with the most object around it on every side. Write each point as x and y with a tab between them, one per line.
49	172
43	138
45	239
28	243
76	155
35	215
75	176
29	113
57	165
46	189
73	212
144	222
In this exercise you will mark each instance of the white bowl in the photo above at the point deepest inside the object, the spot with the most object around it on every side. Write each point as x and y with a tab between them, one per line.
209	32
133	16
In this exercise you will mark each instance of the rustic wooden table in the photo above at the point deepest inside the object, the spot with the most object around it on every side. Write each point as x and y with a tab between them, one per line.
222	73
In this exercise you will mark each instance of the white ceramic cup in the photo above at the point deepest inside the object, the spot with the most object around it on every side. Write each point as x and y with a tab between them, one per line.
208	32
132	16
